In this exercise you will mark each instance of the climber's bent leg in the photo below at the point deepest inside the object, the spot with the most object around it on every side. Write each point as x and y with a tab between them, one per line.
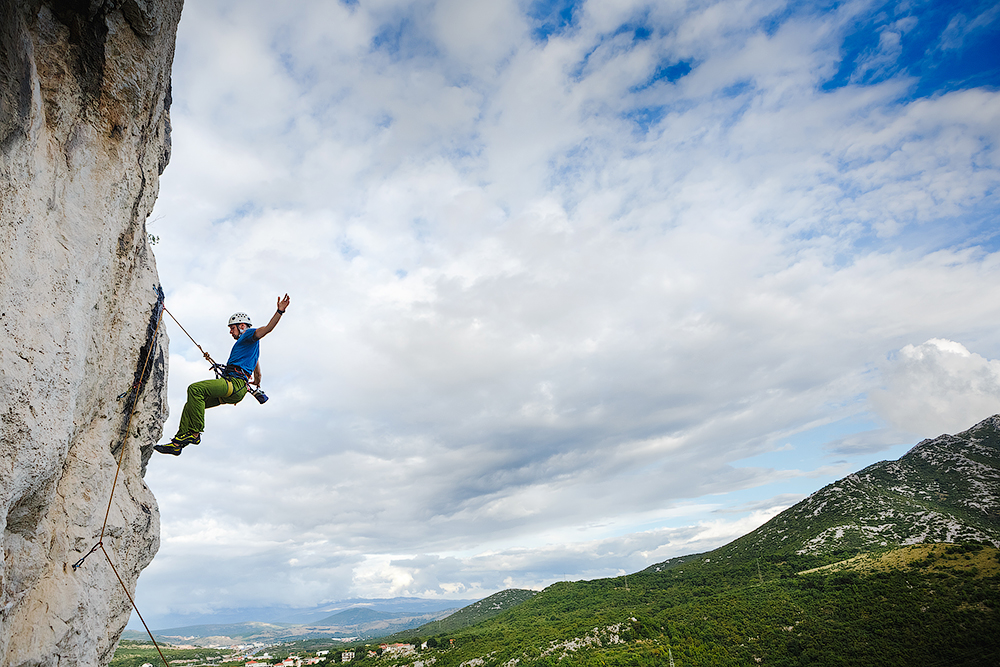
207	393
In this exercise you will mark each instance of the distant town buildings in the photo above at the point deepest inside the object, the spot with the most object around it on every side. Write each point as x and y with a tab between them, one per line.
290	661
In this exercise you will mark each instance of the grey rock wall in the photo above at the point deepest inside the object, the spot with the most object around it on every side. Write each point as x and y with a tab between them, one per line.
84	136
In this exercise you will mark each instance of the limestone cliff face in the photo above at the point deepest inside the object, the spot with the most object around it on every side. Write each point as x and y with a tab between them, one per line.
84	135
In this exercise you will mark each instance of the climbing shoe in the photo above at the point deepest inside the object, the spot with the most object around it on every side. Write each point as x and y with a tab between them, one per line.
169	448
187	439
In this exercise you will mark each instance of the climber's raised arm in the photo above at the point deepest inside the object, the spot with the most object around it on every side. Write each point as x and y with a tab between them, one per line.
267	328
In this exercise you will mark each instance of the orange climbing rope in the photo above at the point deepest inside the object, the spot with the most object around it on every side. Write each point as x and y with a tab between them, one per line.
136	388
203	352
128	425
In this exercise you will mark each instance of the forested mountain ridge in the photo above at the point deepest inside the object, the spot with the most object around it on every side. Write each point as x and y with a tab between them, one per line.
767	597
945	489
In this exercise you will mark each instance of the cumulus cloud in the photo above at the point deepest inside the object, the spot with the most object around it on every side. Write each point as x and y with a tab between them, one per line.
551	276
483	573
938	387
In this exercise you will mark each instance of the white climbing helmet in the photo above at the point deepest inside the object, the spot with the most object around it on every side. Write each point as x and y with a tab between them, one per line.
240	318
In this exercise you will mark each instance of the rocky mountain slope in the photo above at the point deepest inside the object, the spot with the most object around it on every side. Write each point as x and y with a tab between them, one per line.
84	135
943	490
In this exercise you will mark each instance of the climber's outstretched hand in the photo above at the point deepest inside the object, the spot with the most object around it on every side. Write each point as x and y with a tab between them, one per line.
266	329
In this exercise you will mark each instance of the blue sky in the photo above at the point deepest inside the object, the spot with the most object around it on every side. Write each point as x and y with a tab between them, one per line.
576	287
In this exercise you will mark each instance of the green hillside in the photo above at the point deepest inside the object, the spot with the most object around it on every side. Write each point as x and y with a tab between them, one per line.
930	612
470	615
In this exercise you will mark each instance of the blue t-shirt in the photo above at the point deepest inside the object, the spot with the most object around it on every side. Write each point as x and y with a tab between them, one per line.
245	352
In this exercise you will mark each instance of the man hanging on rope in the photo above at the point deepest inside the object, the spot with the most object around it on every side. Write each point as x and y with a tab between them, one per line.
231	387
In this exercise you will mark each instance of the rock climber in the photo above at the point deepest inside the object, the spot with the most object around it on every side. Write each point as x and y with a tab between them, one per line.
241	369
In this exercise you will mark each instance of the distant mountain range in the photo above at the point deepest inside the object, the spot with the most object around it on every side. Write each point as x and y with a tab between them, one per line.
409	605
378	624
359	616
364	618
361	622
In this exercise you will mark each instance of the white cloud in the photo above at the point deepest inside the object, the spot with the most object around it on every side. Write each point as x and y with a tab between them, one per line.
938	387
478	35
482	573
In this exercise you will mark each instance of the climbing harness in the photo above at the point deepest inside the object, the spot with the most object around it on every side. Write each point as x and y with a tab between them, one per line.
231	372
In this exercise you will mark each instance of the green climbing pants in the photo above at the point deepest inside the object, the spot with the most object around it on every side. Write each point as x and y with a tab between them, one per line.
208	394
